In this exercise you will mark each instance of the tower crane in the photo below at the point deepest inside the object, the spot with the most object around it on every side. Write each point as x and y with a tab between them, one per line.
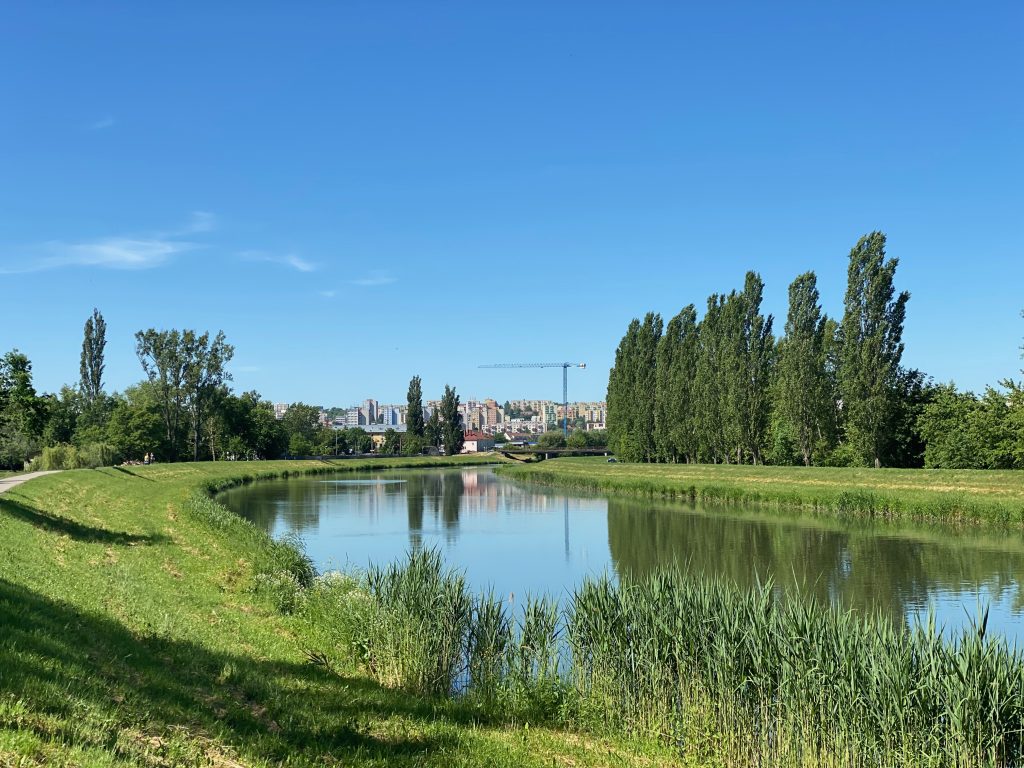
565	382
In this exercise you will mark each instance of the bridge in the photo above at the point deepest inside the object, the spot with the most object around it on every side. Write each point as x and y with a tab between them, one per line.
540	454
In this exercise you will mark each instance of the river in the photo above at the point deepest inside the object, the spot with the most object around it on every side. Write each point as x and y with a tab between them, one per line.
517	538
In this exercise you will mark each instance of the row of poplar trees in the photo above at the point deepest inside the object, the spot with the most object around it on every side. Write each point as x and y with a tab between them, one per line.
723	389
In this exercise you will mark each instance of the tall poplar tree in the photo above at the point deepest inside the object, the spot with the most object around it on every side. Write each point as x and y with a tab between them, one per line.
684	435
452	434
754	369
676	368
620	414
644	387
414	413
802	392
91	368
708	390
871	347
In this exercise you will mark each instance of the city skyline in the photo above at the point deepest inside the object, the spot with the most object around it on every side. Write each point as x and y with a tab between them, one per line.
522	416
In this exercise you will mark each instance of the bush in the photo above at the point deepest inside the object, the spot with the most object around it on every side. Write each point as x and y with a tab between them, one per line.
551	440
60	456
95	455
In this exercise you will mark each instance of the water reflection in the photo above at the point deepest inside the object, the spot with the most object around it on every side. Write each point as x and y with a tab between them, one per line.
525	539
896	571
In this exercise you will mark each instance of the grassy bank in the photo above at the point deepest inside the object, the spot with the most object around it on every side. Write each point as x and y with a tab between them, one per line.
140	624
918	494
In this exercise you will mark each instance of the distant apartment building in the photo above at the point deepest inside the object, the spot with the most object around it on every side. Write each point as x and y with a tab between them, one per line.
492	413
280	409
548	412
351	418
531	426
391	414
369	409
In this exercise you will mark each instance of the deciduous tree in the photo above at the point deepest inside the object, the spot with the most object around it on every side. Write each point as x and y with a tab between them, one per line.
452	433
871	346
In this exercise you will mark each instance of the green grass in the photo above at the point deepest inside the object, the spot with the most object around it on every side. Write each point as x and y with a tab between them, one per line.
913	494
142	625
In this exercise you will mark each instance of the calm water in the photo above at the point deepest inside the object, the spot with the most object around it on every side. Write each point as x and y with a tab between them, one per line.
521	539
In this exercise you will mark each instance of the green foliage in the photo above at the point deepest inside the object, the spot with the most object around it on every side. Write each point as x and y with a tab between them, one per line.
413	445
414	413
60	456
432	430
300	445
452	433
963	431
417	635
675	416
357	440
577	439
392	445
136	426
871	347
552	439
91	367
723	391
632	387
803	396
22	412
187	370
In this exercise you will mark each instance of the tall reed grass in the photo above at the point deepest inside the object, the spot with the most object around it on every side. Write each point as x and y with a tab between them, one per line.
731	676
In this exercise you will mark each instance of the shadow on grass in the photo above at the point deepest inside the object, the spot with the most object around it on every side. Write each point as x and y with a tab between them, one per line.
76	530
73	666
126	471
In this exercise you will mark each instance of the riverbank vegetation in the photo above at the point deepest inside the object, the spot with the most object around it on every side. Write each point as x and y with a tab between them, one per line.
144	625
726	676
939	495
829	392
147	625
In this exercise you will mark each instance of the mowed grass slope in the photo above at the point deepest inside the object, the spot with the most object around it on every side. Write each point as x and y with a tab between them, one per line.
130	635
927	494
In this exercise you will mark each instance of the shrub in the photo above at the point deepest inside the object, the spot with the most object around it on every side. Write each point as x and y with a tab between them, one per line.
60	456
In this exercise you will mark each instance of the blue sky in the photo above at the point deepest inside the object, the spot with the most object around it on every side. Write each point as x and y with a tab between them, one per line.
357	192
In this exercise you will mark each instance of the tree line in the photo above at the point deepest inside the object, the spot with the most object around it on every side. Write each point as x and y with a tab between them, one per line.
183	408
724	389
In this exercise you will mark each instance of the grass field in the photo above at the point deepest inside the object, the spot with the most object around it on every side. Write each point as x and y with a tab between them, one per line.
131	635
925	494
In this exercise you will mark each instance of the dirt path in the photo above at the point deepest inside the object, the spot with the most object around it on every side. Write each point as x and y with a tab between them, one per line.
6	483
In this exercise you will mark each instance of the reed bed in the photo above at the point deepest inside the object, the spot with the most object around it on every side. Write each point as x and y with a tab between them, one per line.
726	675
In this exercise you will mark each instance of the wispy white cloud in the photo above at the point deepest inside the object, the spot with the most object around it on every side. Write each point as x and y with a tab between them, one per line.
299	263
288	260
328	294
199	221
129	252
101	124
374	279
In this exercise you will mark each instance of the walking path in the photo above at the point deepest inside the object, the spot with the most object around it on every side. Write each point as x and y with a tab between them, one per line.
6	483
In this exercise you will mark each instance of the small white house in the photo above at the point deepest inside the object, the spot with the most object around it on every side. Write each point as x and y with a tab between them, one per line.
477	442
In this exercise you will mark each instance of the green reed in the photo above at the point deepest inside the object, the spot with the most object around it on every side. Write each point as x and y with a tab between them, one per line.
730	676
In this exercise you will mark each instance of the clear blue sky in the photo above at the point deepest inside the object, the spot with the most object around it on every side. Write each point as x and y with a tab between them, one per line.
357	192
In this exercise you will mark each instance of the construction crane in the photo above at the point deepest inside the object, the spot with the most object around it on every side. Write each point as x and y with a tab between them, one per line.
565	383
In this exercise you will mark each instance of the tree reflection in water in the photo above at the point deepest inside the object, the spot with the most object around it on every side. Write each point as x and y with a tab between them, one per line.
868	566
